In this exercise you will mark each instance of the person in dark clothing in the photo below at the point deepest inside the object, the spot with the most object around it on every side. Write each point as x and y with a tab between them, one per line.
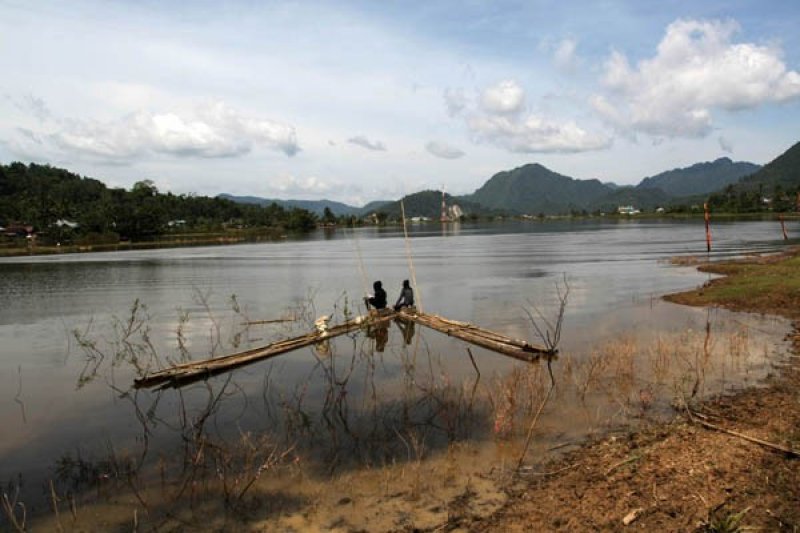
406	298
378	300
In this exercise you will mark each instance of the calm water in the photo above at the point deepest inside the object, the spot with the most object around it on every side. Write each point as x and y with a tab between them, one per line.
59	398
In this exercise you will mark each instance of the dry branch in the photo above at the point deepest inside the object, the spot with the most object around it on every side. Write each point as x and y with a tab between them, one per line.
766	444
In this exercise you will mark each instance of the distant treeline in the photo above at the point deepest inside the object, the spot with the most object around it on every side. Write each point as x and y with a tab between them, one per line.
757	199
61	205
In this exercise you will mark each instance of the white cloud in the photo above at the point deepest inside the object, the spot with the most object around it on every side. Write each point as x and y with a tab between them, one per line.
534	134
211	131
564	55
697	69
506	97
363	142
443	150
499	118
292	185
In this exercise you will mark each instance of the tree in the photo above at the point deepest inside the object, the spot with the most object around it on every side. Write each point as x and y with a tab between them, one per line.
328	218
40	195
144	188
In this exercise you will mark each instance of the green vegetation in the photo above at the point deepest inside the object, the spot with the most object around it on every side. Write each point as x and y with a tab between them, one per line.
766	284
775	187
699	179
62	207
429	204
535	189
784	170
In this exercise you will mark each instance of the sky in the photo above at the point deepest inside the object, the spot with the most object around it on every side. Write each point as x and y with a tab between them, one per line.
357	101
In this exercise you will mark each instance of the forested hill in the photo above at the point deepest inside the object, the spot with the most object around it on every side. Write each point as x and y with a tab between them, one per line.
701	178
775	187
535	189
41	196
783	171
429	204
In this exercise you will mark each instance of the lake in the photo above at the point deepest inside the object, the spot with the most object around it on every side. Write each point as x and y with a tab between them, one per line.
76	329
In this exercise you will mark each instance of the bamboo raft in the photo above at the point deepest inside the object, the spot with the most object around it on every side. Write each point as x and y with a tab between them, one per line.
185	373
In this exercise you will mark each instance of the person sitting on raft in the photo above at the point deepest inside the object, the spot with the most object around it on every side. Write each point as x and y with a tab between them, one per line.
378	301
406	298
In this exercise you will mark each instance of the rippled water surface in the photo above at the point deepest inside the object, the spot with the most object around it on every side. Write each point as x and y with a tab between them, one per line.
70	348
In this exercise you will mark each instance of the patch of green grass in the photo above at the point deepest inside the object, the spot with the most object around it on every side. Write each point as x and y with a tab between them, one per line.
728	523
759	285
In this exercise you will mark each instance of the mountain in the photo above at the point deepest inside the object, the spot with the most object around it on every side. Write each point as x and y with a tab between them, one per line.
534	189
701	178
429	204
784	170
315	206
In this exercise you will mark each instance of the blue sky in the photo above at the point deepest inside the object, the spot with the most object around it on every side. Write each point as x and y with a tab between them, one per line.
357	101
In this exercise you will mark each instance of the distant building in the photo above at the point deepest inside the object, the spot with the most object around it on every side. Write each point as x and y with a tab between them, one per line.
454	212
18	230
61	222
627	210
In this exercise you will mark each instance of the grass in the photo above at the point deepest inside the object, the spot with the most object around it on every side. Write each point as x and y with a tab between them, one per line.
762	284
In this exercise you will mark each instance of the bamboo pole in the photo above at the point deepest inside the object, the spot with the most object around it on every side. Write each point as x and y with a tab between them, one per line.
418	295
185	372
783	228
480	337
270	321
484	332
707	218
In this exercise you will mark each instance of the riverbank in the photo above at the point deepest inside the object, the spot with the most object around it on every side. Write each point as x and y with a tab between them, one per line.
175	240
698	472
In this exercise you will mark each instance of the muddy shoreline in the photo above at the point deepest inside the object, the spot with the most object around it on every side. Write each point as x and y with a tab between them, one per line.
683	475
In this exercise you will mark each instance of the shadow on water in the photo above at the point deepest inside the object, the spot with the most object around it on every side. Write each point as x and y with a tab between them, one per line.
269	439
357	406
367	401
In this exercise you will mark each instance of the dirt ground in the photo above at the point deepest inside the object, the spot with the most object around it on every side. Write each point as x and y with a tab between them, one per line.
675	477
685	475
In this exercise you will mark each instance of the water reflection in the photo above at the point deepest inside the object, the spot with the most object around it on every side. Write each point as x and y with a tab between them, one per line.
359	403
362	410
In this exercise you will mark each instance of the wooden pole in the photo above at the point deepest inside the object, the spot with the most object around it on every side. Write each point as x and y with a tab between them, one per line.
783	228
418	294
707	218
